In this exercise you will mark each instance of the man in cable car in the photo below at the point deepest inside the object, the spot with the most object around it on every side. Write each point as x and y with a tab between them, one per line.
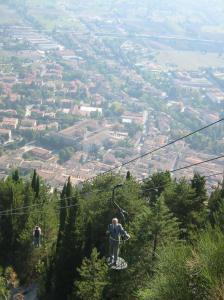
115	231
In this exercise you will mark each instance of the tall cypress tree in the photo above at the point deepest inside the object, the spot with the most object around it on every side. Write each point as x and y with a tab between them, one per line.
68	191
89	240
34	179
62	217
8	228
68	258
128	175
15	175
11	227
37	187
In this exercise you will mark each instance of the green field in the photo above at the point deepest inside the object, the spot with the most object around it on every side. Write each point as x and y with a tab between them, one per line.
188	60
8	16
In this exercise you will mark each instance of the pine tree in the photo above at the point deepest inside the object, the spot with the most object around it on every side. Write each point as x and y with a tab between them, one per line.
156	226
93	278
153	225
215	206
198	183
180	200
164	226
154	186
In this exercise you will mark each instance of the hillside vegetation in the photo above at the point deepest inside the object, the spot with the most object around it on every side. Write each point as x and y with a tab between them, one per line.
175	250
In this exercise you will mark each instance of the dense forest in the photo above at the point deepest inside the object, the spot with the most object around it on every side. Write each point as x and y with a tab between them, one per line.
175	250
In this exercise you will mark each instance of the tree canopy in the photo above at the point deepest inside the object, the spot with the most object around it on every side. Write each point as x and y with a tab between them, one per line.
175	250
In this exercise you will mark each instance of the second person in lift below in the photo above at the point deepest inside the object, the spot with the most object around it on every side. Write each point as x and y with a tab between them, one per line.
37	236
115	231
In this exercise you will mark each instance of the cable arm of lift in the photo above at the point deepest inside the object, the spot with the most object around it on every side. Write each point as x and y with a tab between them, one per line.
123	212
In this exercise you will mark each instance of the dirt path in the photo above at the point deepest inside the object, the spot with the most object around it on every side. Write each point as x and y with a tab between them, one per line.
32	293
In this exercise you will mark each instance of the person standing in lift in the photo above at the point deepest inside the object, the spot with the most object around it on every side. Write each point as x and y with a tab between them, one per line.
37	236
115	231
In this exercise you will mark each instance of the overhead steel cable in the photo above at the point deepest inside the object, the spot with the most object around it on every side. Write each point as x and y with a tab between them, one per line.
155	150
134	36
22	207
14	211
168	184
9	213
196	164
158	148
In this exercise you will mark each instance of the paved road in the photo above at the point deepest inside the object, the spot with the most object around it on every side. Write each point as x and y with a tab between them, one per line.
146	36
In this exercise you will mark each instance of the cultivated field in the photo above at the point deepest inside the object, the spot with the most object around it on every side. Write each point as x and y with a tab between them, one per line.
8	16
188	60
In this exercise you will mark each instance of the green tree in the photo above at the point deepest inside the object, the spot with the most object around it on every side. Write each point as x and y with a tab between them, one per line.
65	154
155	227
16	226
89	242
153	187
167	255
189	272
198	183
1	89
37	187
15	175
62	216
68	256
34	180
4	292
68	191
215	206
93	278
164	227
171	280
116	108
128	175
186	205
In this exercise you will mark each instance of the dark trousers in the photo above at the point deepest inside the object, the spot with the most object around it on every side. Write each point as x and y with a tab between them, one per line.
36	241
113	249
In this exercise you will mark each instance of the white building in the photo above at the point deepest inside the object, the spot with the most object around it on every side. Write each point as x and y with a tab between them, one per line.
86	111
